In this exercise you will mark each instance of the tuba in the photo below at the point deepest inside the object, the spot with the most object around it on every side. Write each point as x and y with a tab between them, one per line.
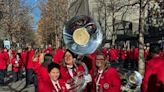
82	35
132	81
135	78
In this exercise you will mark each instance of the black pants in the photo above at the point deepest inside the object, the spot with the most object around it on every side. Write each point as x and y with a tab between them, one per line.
15	76
29	76
2	76
21	76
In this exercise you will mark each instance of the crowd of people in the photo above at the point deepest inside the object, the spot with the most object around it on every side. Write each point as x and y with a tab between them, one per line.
61	70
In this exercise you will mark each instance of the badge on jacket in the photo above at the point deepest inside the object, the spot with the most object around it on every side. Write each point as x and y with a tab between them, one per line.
106	86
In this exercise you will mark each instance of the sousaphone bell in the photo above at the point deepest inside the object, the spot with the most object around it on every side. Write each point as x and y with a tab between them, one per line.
82	35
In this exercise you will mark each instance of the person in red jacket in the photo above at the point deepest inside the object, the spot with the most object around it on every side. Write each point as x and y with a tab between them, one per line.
74	73
54	73
44	83
2	67
49	49
113	54
113	57
150	80
106	78
24	56
29	66
16	65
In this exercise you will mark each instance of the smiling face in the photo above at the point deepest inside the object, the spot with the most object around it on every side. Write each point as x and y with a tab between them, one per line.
68	58
54	74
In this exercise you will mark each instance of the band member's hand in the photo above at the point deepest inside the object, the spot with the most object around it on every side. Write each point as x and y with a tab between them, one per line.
35	59
67	86
41	57
87	78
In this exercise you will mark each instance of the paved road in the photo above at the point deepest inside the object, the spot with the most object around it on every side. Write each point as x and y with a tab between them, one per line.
17	87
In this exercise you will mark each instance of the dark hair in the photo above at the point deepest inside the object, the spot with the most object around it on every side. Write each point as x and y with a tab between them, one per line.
154	48
47	60
53	65
73	54
100	52
47	57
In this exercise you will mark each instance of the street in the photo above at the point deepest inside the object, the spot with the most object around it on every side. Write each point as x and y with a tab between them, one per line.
17	87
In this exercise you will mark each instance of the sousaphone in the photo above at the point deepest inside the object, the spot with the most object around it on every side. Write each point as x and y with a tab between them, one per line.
82	35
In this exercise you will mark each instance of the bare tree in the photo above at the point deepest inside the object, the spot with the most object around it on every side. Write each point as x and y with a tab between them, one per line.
54	14
112	11
17	22
109	11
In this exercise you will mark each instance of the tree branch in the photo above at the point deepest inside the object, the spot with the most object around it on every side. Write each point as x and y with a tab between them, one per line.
132	4
146	3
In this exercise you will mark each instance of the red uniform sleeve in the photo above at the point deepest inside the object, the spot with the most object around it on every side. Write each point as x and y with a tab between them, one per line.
58	56
36	66
6	57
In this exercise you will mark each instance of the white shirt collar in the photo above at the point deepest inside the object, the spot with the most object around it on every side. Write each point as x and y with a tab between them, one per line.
69	66
54	84
100	71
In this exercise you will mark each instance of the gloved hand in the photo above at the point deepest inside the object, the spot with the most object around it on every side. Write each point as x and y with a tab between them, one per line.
87	78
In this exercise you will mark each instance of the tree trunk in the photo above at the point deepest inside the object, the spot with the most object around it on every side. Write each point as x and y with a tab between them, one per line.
141	61
114	31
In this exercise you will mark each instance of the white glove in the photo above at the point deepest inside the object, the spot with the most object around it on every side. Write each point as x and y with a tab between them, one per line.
87	78
67	86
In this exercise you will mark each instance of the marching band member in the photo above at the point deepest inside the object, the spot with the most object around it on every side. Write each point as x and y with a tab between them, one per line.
29	66
2	67
16	65
49	49
40	66
73	73
153	70
106	78
54	73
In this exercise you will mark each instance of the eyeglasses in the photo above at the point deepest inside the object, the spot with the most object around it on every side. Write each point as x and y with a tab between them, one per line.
99	58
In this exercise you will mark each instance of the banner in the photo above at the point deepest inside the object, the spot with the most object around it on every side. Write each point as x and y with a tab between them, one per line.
6	44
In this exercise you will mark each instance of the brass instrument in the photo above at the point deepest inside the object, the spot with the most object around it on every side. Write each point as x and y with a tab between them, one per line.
82	35
131	81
